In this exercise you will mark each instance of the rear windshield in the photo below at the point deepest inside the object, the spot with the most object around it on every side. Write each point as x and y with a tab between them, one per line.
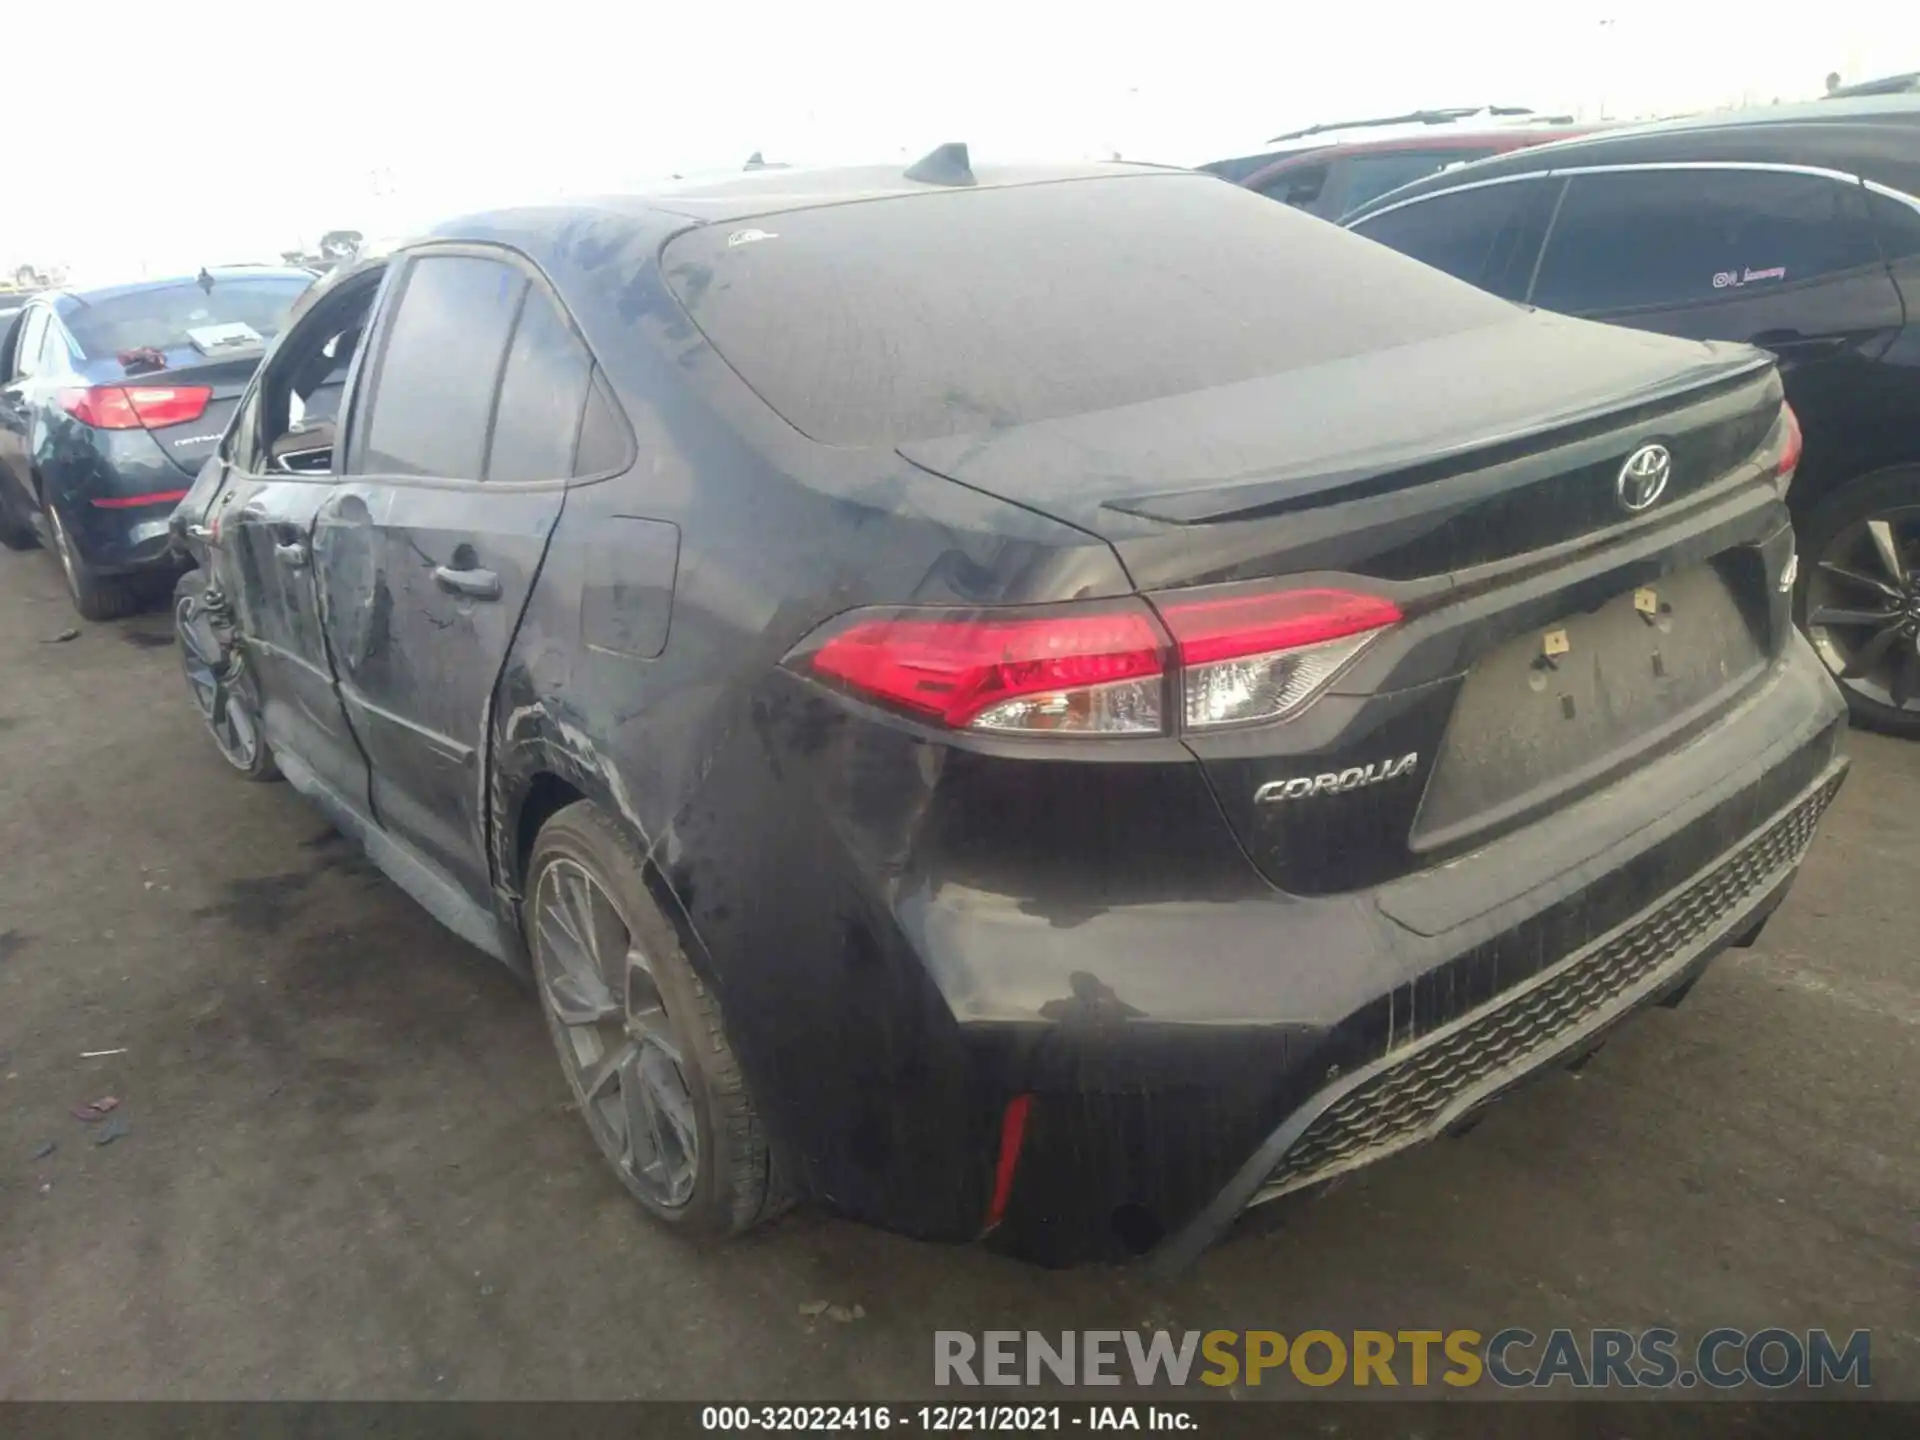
949	313
163	317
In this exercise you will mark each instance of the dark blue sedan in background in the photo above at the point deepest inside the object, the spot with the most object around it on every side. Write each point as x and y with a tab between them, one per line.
110	401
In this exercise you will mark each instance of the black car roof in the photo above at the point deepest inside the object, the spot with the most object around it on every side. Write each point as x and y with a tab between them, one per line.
760	193
1877	137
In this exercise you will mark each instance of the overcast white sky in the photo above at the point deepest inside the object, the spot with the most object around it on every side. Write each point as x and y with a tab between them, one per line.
202	131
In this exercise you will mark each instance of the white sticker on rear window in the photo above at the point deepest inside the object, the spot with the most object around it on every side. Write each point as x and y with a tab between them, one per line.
747	237
234	335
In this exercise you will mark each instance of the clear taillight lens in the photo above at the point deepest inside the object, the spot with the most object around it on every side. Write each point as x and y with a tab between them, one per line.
1259	656
1262	687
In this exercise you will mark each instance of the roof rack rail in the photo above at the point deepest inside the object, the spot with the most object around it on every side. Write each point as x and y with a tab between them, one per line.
1413	117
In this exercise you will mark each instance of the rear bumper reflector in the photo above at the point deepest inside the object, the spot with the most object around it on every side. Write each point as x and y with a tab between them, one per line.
1013	1135
134	502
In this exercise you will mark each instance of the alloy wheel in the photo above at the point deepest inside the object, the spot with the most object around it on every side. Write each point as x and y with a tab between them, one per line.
616	1039
63	547
1863	607
208	678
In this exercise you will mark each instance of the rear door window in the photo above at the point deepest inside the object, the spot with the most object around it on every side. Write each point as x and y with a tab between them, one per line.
1645	239
542	394
1370	176
432	395
958	312
1487	235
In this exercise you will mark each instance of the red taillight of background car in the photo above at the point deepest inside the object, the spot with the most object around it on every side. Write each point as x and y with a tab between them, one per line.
136	407
1108	668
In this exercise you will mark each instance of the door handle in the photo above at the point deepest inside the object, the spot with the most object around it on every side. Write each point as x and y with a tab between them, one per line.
475	584
292	554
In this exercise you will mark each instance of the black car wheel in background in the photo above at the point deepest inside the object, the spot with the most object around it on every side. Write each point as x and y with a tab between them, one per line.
1859	596
1796	229
95	596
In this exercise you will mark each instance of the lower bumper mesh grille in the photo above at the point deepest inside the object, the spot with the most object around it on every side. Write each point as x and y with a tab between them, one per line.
1406	1100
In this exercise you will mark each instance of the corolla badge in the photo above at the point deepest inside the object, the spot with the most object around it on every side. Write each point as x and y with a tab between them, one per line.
1337	782
1643	479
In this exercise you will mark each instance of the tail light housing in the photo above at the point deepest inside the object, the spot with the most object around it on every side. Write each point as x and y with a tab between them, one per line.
1203	661
1785	444
1259	657
136	407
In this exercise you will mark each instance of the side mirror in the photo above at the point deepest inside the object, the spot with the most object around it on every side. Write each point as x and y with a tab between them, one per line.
304	450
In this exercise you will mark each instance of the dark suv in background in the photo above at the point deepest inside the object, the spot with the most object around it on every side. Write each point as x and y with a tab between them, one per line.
1795	228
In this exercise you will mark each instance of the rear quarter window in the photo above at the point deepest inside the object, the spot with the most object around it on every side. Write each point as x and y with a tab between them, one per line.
1475	234
1652	238
957	312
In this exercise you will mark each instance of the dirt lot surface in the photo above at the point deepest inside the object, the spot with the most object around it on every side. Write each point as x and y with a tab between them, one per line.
349	1168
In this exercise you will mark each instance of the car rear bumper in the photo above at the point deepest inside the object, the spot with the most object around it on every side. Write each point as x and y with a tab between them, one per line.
124	539
1422	1090
1318	1036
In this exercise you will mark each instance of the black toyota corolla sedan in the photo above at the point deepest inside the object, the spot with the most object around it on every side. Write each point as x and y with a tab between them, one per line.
110	400
1052	704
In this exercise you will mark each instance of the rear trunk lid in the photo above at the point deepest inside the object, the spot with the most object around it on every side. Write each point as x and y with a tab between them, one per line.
1554	638
1377	424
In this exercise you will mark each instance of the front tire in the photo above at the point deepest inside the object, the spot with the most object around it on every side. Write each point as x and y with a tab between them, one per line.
218	685
1858	596
640	1035
95	596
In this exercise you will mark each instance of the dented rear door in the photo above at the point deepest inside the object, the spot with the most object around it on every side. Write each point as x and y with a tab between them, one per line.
426	553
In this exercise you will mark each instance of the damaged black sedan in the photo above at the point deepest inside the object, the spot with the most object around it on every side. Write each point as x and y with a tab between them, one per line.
1054	704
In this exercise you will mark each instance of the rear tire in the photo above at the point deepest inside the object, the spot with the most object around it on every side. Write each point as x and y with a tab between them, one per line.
95	596
15	532
640	1035
1844	572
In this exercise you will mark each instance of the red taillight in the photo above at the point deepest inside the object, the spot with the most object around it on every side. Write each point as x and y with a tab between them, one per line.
1228	629
1238	657
133	407
1091	669
1791	444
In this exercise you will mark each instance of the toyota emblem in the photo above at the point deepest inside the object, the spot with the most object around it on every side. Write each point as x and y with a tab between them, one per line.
1643	479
